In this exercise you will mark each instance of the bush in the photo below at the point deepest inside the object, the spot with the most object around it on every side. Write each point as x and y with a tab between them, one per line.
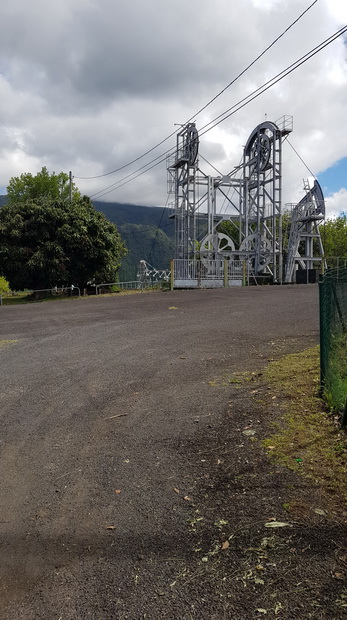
4	285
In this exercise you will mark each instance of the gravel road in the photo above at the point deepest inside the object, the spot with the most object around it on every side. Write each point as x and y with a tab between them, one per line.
103	404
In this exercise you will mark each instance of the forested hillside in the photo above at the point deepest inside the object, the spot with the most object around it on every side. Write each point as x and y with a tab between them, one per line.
148	234
147	231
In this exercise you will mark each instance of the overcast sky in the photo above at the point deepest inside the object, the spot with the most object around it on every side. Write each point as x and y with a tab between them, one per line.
89	85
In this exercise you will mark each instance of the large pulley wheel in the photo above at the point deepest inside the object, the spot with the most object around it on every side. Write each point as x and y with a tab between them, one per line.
215	246
261	151
192	144
260	247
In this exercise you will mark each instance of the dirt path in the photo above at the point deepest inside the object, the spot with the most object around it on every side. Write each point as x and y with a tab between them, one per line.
125	465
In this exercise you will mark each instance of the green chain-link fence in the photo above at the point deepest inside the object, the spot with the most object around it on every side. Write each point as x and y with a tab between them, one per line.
333	338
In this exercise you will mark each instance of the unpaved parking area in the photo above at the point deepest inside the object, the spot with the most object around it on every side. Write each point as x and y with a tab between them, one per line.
111	432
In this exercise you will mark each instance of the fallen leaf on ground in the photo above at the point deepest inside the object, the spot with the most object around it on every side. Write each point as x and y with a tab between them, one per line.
249	433
176	490
173	308
117	491
110	527
319	511
277	524
225	545
189	499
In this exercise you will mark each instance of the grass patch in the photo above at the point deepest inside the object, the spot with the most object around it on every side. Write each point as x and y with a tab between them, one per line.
307	438
7	343
335	392
28	298
236	379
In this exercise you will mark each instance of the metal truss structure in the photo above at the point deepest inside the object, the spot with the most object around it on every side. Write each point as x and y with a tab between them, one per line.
305	247
254	207
182	169
147	274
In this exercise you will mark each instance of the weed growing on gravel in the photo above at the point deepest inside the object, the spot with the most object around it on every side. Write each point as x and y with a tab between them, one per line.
307	439
6	343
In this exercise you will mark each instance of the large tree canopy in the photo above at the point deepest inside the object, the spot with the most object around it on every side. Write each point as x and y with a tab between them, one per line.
41	186
334	237
50	243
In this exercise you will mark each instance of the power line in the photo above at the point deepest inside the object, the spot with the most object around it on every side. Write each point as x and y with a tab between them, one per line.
255	60
207	104
127	180
301	159
157	230
227	113
277	78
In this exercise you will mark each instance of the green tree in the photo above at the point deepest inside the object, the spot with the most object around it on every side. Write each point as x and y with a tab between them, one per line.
334	236
41	186
4	285
53	243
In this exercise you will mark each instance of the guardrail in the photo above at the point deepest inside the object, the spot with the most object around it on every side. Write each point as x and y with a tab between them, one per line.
131	285
55	291
138	285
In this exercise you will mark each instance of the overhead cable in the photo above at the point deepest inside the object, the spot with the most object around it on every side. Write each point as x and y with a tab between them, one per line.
207	104
277	78
301	159
227	113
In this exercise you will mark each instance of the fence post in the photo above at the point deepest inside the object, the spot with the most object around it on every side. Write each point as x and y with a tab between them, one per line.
323	266
172	274
244	273
0	300
344	417
321	334
225	273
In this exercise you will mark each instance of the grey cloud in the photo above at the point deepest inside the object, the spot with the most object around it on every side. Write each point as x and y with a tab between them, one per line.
90	85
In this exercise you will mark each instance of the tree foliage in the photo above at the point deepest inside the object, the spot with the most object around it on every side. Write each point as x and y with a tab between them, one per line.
4	285
41	186
53	243
334	236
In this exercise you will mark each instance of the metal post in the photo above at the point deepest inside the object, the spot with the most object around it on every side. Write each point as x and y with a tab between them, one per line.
244	272
172	274
225	273
321	335
344	417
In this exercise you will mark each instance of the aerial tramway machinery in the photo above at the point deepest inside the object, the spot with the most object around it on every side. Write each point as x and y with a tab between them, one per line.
250	199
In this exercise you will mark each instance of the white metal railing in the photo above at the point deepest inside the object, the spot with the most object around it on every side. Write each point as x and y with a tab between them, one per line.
185	269
285	123
131	285
138	285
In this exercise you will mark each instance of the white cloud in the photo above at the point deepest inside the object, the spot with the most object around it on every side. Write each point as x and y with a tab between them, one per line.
89	85
336	203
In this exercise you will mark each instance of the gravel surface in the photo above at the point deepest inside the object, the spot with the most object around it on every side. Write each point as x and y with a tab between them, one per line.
107	411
